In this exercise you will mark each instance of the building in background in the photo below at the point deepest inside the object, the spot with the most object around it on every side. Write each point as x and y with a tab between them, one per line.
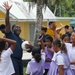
20	14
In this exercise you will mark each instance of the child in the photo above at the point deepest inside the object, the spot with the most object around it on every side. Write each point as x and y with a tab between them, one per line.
65	38
6	66
71	52
43	35
36	65
48	53
60	64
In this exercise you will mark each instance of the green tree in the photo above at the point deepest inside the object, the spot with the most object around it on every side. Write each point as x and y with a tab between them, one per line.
62	8
59	6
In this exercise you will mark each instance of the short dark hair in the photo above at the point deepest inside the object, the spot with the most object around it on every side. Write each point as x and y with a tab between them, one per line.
13	27
2	26
49	38
72	27
44	29
51	23
64	35
67	26
57	43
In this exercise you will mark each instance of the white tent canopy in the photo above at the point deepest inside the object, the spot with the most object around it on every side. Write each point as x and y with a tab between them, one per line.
20	10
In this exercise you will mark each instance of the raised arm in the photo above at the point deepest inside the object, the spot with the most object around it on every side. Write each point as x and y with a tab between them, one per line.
11	42
7	23
42	44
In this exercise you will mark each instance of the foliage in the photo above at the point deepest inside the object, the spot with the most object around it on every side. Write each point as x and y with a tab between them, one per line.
62	8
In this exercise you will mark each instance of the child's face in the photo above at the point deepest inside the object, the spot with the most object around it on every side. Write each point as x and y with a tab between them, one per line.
42	32
48	43
70	30
66	40
54	47
73	37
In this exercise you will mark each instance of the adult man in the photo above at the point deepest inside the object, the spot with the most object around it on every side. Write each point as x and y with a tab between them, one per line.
51	30
17	54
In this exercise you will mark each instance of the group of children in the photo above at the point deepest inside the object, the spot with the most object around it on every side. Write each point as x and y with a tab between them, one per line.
55	58
52	59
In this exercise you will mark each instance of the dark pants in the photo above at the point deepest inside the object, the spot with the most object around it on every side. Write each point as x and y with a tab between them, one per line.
46	71
18	66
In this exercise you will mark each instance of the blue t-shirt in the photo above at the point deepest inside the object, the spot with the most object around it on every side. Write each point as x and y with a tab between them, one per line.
17	53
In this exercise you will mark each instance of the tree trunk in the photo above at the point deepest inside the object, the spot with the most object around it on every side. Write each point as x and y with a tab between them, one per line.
59	11
39	19
55	9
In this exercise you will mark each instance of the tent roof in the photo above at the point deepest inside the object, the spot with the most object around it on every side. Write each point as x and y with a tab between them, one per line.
20	10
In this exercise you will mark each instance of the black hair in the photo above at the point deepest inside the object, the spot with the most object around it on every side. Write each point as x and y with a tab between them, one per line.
63	48
13	27
72	27
44	29
64	35
57	43
51	23
67	26
2	45
2	26
60	45
49	38
36	53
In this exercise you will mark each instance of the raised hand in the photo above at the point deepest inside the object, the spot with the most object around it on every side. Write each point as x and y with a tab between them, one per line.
61	25
6	5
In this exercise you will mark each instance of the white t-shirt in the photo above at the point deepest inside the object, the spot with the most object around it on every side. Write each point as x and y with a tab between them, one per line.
6	66
71	53
59	59
28	70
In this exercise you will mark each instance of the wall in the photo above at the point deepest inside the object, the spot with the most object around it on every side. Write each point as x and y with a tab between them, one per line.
66	22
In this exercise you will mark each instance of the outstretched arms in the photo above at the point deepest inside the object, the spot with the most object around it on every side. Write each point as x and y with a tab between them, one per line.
11	42
7	7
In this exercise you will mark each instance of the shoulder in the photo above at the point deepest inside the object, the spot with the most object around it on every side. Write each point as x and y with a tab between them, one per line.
47	35
10	34
68	44
60	59
48	28
7	52
59	56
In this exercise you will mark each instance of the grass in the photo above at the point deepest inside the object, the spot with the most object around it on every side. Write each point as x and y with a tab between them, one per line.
24	71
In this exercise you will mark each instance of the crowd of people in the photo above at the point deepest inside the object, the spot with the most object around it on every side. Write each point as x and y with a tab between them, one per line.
53	56
58	52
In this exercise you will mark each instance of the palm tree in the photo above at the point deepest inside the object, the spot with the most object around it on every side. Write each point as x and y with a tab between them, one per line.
60	4
39	16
